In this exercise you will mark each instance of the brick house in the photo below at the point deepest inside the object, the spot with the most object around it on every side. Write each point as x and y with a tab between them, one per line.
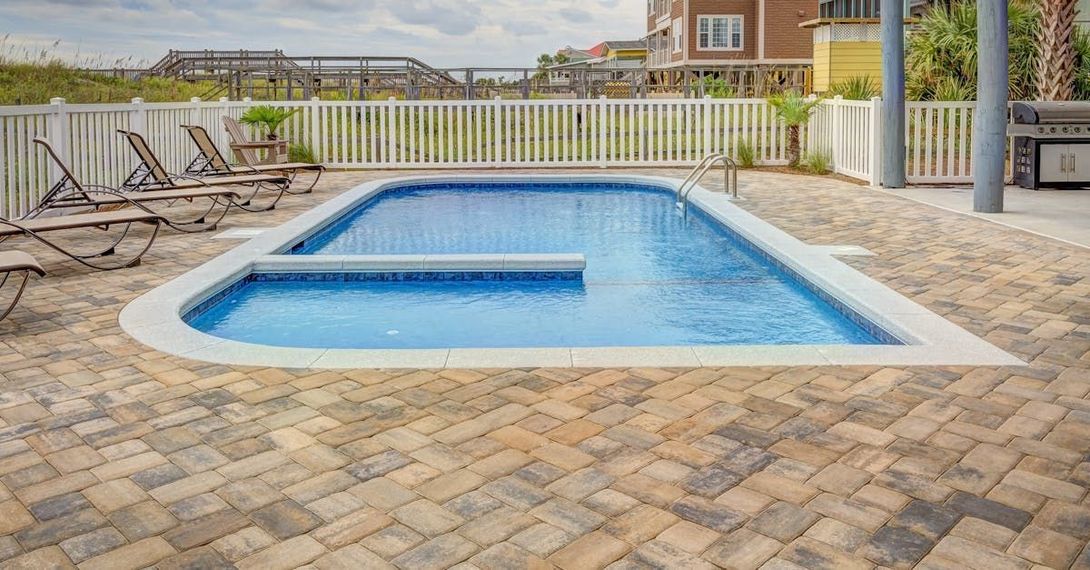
715	33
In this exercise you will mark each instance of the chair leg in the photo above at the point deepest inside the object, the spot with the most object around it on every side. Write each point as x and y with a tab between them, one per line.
18	293
86	260
248	204
201	224
308	189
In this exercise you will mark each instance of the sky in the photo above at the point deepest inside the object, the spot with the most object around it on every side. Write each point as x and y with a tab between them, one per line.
441	33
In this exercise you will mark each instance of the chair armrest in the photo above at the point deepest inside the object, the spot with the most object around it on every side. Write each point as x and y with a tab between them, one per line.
257	144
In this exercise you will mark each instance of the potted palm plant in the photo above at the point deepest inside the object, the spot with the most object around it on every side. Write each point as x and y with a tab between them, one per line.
794	110
268	118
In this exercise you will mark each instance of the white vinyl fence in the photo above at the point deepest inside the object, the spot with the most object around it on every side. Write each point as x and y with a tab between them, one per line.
480	134
848	131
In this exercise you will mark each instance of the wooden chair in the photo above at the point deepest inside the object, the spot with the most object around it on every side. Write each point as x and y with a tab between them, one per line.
276	151
211	162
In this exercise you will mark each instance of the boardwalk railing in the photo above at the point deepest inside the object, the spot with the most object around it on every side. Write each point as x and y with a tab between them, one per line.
482	134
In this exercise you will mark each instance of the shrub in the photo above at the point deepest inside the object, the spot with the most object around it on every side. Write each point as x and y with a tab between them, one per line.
954	88
941	51
718	88
857	88
301	152
817	161
746	153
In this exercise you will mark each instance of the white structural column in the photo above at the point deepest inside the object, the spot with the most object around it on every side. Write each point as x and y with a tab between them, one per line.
990	121
893	93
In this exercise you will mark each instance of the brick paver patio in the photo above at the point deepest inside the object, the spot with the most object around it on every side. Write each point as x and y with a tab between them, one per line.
115	456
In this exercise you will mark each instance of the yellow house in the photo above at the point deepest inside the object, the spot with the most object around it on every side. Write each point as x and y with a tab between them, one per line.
847	40
621	53
845	48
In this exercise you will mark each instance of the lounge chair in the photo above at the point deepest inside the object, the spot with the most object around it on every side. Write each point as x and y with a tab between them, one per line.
69	192
100	220
150	175
12	262
211	162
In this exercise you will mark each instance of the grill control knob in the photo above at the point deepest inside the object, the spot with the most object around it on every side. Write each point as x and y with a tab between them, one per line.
1041	130
1063	129
1052	130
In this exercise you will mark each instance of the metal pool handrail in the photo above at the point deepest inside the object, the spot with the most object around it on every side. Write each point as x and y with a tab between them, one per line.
730	178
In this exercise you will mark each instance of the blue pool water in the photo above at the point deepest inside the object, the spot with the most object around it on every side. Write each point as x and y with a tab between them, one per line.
652	278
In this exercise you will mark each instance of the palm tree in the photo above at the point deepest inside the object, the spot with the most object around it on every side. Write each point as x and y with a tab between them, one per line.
940	54
1056	60
794	110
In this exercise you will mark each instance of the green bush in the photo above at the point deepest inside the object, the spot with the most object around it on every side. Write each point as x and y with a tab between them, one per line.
746	153
857	88
817	161
941	57
301	152
718	89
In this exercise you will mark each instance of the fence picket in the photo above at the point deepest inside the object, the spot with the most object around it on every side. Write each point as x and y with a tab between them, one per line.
492	133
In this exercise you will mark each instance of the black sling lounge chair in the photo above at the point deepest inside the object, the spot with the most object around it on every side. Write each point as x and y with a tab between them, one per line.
211	162
150	176
69	192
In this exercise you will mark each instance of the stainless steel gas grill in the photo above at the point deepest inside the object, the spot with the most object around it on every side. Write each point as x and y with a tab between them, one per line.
1051	144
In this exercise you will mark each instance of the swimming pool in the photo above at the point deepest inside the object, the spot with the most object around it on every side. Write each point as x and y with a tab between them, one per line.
514	271
652	278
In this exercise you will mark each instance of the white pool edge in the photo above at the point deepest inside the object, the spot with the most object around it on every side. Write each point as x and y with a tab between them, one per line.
155	318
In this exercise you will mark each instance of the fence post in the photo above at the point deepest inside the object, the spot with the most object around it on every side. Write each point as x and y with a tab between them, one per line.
707	146
838	131
58	135
139	122
314	112
497	131
811	130
195	111
875	165
603	151
391	131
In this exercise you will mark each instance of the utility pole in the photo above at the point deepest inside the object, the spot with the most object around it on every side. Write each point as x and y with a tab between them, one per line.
990	120
893	93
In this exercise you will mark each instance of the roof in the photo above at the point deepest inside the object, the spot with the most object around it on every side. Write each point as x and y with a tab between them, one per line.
626	44
598	50
575	64
576	54
603	48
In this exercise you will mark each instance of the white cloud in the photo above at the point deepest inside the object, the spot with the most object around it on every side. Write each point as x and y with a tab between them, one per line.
444	33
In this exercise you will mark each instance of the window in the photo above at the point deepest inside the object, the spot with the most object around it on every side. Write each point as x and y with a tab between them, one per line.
719	33
678	30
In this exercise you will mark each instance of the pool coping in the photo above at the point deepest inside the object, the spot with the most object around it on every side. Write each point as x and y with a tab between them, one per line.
155	318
